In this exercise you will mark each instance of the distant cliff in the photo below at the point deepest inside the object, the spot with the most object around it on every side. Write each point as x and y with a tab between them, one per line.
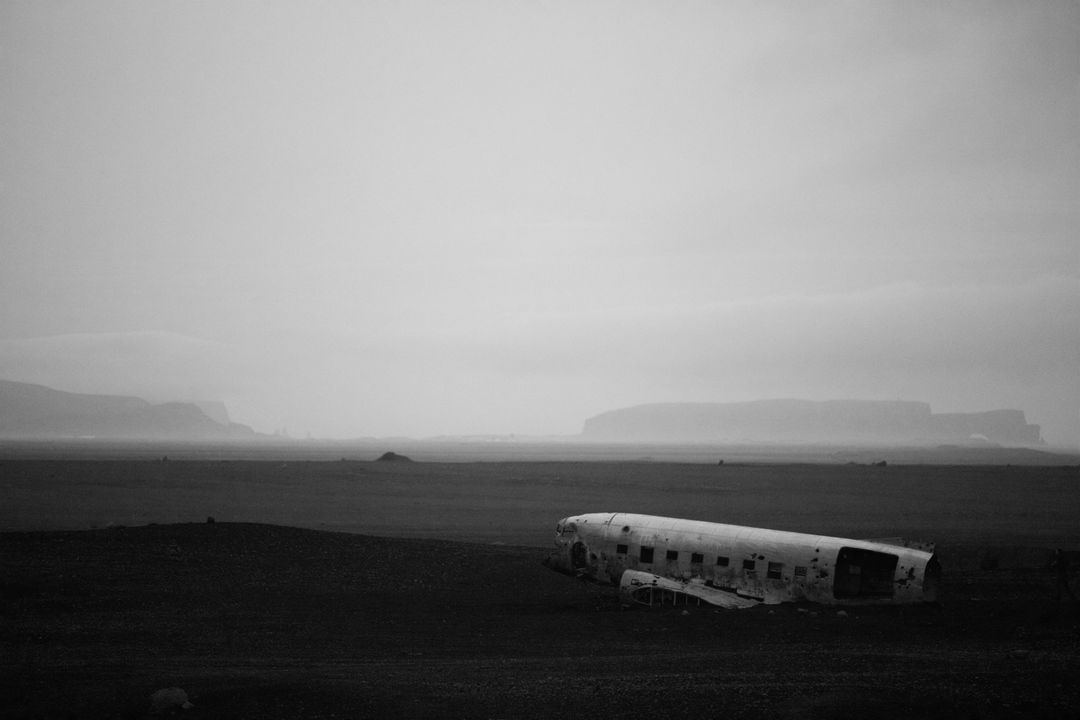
38	412
804	421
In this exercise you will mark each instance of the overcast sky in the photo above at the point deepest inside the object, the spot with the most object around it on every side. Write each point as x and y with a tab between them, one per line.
413	218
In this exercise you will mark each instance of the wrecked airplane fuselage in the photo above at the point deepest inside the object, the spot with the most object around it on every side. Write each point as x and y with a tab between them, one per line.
658	559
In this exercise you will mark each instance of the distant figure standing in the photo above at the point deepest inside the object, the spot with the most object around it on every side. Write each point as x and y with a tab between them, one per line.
1060	564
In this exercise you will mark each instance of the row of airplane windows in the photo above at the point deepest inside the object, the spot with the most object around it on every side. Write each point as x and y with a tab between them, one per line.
775	570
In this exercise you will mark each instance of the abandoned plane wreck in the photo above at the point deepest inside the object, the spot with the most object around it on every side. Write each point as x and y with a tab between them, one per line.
660	560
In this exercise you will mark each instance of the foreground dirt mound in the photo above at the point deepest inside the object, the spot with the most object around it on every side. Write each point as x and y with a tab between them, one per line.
277	622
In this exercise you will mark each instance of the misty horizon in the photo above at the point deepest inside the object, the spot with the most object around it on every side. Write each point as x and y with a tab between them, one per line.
384	219
34	413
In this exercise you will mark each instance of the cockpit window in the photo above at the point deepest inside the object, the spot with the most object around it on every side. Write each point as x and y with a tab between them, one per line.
568	529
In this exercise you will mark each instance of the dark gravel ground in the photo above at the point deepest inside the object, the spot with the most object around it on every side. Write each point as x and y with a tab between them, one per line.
264	621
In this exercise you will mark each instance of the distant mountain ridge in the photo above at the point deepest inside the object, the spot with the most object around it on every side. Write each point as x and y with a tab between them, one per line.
809	422
38	412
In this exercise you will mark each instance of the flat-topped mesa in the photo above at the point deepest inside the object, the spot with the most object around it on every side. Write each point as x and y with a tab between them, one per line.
37	412
806	421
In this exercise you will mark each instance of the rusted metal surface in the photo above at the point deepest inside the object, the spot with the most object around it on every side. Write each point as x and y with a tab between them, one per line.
733	566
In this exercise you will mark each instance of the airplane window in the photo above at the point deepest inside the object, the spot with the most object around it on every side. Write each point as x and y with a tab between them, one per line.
800	571
672	554
697	558
722	561
775	570
620	549
646	555
748	564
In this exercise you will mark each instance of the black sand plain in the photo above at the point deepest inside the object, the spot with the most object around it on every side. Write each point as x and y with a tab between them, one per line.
416	590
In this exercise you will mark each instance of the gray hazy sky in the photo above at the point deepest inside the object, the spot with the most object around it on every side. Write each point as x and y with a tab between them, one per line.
376	218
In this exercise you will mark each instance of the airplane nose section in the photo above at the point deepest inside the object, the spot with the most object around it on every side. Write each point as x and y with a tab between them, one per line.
559	558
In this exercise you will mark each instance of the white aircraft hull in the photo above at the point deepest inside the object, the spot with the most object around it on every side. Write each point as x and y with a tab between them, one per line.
652	557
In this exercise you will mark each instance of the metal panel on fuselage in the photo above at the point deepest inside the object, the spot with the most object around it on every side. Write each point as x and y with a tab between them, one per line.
771	565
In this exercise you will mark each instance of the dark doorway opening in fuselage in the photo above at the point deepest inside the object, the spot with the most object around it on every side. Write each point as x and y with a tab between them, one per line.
864	574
